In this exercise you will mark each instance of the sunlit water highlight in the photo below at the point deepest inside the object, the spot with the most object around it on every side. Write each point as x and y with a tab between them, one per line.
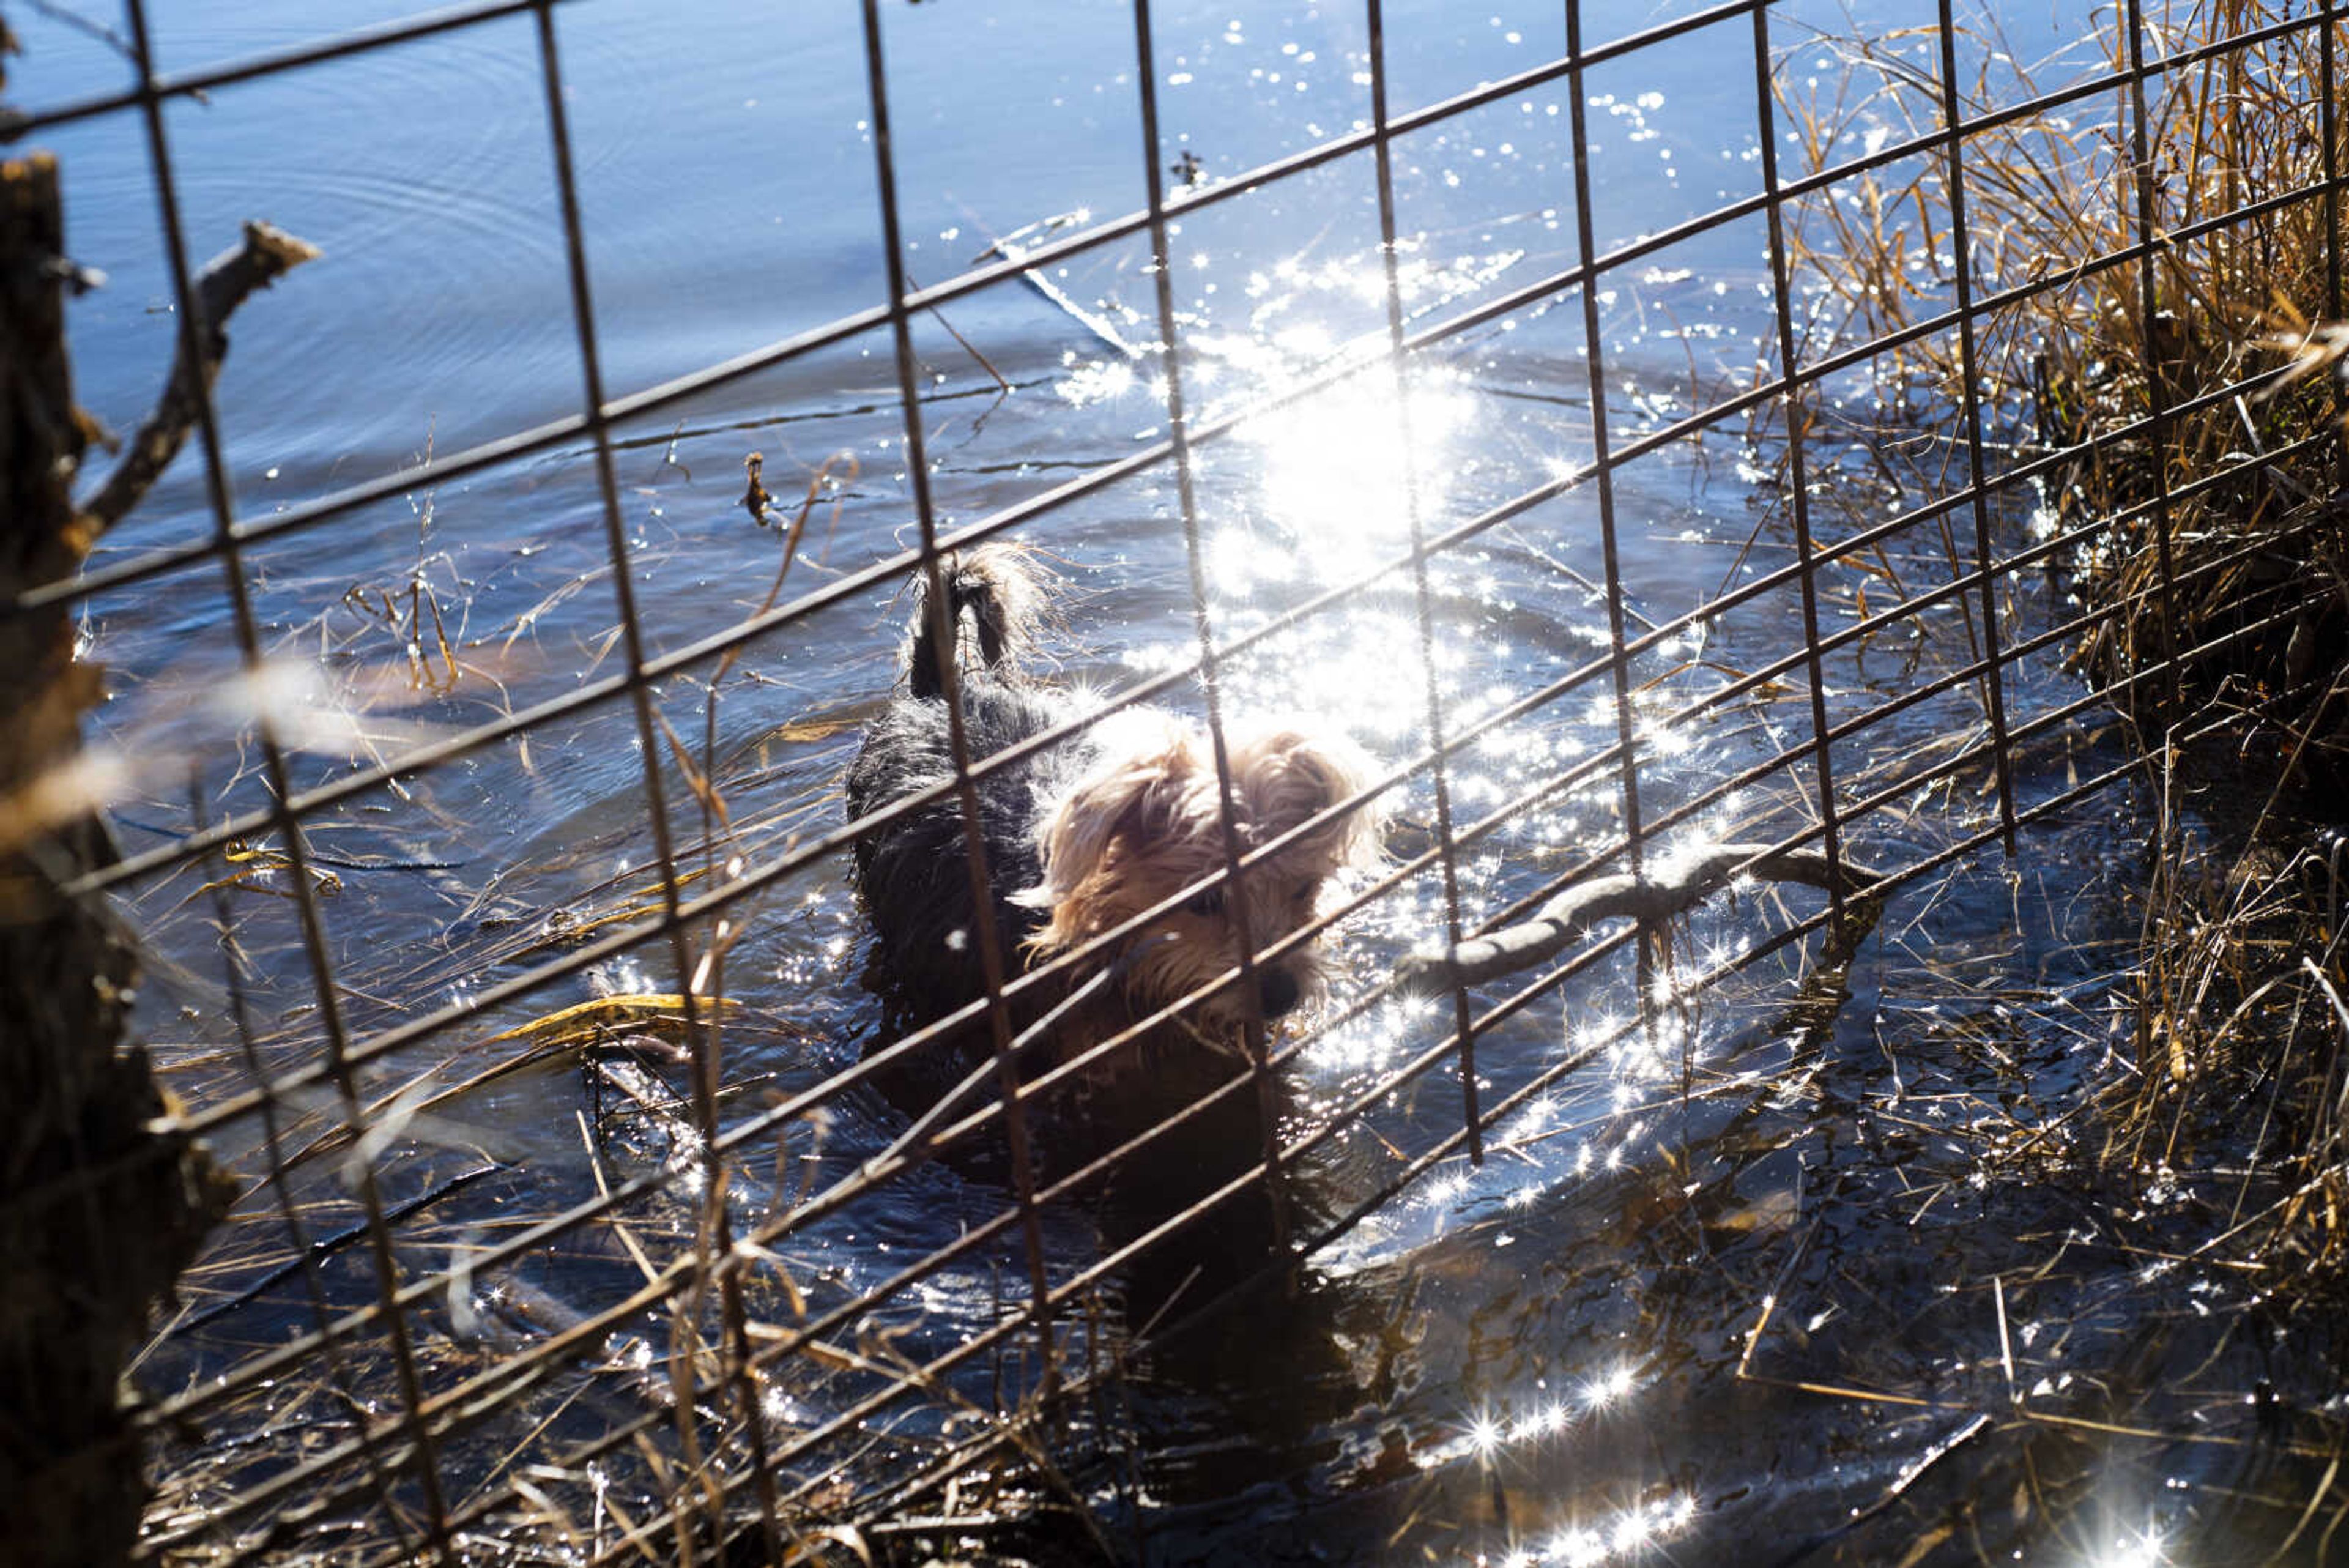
1603	1271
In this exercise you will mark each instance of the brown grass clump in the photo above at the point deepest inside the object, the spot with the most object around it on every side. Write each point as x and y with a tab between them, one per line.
2151	233
2137	386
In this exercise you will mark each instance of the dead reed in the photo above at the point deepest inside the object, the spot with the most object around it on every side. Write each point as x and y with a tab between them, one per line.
2101	270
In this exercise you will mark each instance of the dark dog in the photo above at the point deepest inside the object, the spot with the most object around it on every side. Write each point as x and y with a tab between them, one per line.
1079	839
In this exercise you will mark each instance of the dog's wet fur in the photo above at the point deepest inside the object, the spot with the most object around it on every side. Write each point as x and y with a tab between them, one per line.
1081	836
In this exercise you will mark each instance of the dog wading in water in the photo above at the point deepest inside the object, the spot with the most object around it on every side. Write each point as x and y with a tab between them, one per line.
1108	823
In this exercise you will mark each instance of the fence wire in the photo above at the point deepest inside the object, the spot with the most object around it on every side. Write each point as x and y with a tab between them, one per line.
713	1417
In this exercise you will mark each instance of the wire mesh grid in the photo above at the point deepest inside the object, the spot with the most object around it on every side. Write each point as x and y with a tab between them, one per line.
719	1341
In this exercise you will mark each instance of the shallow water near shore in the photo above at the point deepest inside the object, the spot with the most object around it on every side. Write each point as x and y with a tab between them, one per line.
1811	1261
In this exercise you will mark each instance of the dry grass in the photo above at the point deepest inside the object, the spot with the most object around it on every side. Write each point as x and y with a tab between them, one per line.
719	1343
2112	370
2176	407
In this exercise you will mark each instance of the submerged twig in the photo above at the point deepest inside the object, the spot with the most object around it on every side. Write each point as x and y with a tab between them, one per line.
1667	888
327	1246
1964	1433
1010	248
566	1030
984	363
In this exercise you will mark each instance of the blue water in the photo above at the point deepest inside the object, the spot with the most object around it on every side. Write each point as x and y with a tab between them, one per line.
1541	1355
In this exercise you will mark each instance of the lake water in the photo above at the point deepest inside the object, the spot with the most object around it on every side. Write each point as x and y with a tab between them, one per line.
1741	1274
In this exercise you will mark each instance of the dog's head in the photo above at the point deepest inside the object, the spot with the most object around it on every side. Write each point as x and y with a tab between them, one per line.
1147	825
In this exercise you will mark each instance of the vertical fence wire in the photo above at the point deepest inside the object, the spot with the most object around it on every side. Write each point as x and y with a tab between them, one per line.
712	1241
1594	351
2328	122
944	632
330	1342
1969	404
2328	113
1798	484
1594	356
1382	144
192	327
2151	242
390	1449
1235	895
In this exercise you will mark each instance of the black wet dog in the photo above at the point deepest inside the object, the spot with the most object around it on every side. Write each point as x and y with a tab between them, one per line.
1101	826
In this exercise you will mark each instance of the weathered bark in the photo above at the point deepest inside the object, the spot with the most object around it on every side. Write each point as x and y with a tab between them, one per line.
267	254
99	1208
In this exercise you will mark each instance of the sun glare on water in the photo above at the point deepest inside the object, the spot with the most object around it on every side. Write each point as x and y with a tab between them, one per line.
1337	476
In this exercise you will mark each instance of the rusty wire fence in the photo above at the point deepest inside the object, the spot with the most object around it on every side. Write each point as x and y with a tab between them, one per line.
733	1403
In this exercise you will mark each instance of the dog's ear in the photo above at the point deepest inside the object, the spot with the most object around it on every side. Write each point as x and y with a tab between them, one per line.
1136	800
1286	777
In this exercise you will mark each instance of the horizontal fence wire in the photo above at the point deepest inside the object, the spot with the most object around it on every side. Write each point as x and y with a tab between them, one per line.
402	1461
658	399
749	1133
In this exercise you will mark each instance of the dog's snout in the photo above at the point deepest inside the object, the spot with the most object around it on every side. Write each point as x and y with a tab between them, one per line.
1277	987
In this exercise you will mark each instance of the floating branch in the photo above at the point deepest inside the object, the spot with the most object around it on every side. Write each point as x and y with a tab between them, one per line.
558	1034
326	1247
267	254
1012	247
1674	885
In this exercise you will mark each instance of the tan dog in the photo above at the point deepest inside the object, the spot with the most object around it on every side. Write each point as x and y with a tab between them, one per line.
1148	826
1080	838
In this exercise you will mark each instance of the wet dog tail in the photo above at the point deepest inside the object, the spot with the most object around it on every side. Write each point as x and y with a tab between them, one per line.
991	602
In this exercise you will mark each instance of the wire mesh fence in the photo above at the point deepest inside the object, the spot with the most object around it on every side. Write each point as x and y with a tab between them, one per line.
717	1331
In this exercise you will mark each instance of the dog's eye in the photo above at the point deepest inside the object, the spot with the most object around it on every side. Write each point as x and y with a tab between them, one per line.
1207	901
1306	891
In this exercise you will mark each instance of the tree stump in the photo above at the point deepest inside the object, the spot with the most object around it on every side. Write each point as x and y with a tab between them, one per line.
101	1204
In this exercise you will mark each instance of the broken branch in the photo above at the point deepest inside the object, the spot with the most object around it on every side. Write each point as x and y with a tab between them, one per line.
1680	884
266	256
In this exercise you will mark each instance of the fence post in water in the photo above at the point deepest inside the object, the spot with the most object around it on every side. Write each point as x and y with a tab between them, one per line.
98	1211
